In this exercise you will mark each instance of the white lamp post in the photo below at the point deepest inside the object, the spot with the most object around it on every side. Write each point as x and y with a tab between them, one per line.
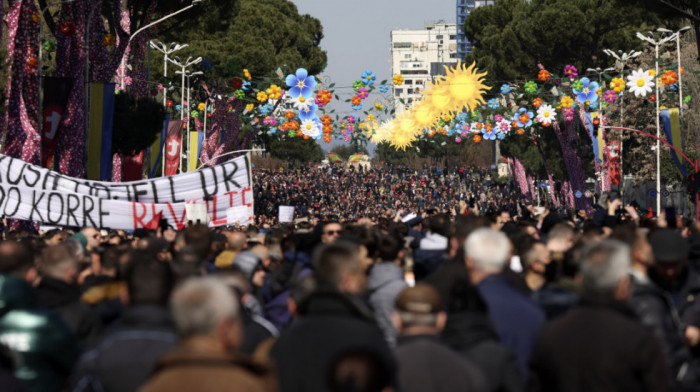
658	125
166	50
188	75
678	51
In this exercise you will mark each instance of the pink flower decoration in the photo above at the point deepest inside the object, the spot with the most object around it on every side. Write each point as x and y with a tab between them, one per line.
350	119
347	139
362	93
350	128
128	80
568	113
498	118
458	139
610	96
571	71
160	87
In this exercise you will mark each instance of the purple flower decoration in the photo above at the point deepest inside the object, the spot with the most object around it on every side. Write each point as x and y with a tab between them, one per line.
498	118
362	93
571	72
301	84
610	96
568	113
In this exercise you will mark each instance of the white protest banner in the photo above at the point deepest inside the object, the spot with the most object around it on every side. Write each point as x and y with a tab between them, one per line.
286	214
33	193
239	215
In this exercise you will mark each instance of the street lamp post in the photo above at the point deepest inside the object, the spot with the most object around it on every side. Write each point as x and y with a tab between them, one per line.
620	63
657	44
188	75
166	50
678	51
123	64
183	71
600	72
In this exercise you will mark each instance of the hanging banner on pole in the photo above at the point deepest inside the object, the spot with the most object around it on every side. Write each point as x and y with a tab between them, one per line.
596	137
672	128
36	194
56	94
172	147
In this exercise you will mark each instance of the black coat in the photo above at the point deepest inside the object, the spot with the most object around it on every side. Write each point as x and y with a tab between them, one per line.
598	346
64	299
426	364
331	324
473	335
125	355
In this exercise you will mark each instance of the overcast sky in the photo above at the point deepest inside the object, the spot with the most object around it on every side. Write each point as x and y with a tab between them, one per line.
357	35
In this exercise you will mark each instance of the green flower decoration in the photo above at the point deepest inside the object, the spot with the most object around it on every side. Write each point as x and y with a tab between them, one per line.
240	94
577	85
687	99
291	133
530	87
358	84
195	114
49	46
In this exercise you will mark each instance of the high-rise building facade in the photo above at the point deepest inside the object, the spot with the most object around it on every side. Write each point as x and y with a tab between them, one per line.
464	7
418	56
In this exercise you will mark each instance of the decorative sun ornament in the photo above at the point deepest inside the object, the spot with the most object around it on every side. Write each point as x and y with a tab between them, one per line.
461	87
546	115
640	82
404	132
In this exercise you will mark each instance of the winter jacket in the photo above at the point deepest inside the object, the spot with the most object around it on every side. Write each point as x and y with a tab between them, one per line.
427	364
193	367
124	357
64	298
517	318
655	310
385	283
331	324
46	346
430	255
473	335
598	346
444	278
277	288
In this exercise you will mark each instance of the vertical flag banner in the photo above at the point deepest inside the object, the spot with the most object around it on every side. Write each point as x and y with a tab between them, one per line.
597	139
196	139
614	168
157	148
99	165
172	147
133	167
672	128
56	93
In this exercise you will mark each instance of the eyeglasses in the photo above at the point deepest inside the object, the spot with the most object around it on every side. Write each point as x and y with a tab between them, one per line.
332	232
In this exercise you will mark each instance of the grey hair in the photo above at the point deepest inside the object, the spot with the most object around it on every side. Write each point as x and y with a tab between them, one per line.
200	304
604	264
488	249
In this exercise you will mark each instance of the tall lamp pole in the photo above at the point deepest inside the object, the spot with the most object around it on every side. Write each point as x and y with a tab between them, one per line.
678	51
600	72
166	50
188	75
657	44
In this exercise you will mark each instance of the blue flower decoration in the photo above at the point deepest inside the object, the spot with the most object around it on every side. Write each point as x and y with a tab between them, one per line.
246	85
301	84
593	105
273	130
368	78
517	118
205	65
178	107
501	135
588	92
505	89
383	88
493	103
357	107
308	113
265	109
673	87
462	117
489	135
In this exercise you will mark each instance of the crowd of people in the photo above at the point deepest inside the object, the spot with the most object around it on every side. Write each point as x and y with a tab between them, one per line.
376	286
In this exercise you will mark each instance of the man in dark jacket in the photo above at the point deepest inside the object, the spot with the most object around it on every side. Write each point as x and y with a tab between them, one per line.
58	291
600	345
425	363
145	328
432	251
46	345
332	322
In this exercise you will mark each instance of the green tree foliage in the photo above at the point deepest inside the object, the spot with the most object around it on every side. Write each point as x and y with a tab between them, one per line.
385	152
136	123
259	35
296	150
344	151
512	36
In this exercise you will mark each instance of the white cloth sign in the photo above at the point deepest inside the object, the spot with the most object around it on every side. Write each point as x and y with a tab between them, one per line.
286	214
33	193
239	215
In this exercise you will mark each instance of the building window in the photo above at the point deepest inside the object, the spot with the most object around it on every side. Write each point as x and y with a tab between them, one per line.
407	56
408	81
398	91
409	91
453	55
417	72
410	100
402	45
454	36
438	36
419	81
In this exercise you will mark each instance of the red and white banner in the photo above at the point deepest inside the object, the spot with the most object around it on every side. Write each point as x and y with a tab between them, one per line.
614	168
173	146
56	92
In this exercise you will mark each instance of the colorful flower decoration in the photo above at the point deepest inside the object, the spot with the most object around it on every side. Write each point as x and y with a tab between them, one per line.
640	82
240	94
567	102
383	88
301	84
274	92
497	118
108	39
537	102
36	17
289	114
49	46
68	28
308	113
368	78
568	113
617	85
202	106
543	75
652	98
265	109
310	128
128	80
237	83
524	118
520	131
246	86
577	85
323	98
351	119
570	71
363	93
178	107
669	77
356	100
169	103
358	84
357	107
530	87
33	63
546	115
493	103
505	89
458	140
160	87
398	80
588	91
195	114
610	96
246	74
261	96
378	106
476	138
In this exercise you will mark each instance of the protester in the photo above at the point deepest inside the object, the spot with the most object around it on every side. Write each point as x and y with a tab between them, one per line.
425	363
599	345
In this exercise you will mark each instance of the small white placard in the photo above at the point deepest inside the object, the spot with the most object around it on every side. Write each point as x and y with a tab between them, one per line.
286	214
197	212
240	215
